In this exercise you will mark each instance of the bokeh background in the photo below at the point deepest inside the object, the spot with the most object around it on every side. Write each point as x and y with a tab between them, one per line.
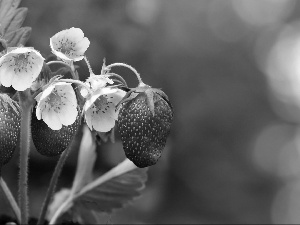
232	71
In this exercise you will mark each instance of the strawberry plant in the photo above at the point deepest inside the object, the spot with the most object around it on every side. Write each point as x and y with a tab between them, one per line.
49	109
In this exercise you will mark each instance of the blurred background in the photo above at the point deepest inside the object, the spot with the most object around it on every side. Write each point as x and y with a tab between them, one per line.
232	71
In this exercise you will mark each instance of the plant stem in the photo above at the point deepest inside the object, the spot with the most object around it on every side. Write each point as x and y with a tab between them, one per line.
74	82
141	83
26	103
71	67
53	183
10	199
88	65
119	77
58	62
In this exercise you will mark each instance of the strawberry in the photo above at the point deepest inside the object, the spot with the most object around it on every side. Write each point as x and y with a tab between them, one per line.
50	142
10	122
144	123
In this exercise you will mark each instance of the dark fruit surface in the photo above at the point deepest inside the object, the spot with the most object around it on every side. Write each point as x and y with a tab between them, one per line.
50	142
143	133
9	128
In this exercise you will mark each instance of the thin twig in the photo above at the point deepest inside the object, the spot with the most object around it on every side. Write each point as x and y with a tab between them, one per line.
141	83
10	199
72	70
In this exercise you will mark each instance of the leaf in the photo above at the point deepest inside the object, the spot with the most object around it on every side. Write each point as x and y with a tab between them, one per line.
111	191
18	37
113	194
58	199
86	160
15	21
12	18
7	7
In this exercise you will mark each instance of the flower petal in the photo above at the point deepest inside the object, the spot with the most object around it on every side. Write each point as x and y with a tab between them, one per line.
22	81
52	120
68	114
117	96
82	46
45	93
75	34
57	105
66	92
38	111
6	75
102	122
69	44
20	67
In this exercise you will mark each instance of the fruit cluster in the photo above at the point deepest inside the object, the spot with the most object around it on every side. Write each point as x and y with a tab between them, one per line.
143	115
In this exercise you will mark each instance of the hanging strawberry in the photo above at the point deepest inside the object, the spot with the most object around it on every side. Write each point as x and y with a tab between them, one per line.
50	142
9	128
144	122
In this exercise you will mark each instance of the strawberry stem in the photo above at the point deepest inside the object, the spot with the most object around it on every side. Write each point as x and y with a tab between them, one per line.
138	76
10	199
76	82
119	77
53	182
26	103
71	67
89	66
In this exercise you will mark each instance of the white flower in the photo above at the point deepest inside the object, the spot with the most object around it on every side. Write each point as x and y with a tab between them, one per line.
95	82
70	44
100	109
20	67
57	105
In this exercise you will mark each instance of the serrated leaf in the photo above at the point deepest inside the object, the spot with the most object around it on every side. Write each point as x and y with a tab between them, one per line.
14	21
111	191
113	194
7	7
18	37
11	20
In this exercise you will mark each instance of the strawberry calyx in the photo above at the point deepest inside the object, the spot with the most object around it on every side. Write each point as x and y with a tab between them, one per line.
148	91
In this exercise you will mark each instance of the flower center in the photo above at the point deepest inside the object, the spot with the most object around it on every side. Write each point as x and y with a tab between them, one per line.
101	102
54	100
66	46
21	60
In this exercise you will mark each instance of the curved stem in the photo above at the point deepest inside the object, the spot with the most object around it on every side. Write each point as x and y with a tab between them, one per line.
53	183
72	70
141	83
75	82
10	199
58	62
119	77
26	103
88	65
